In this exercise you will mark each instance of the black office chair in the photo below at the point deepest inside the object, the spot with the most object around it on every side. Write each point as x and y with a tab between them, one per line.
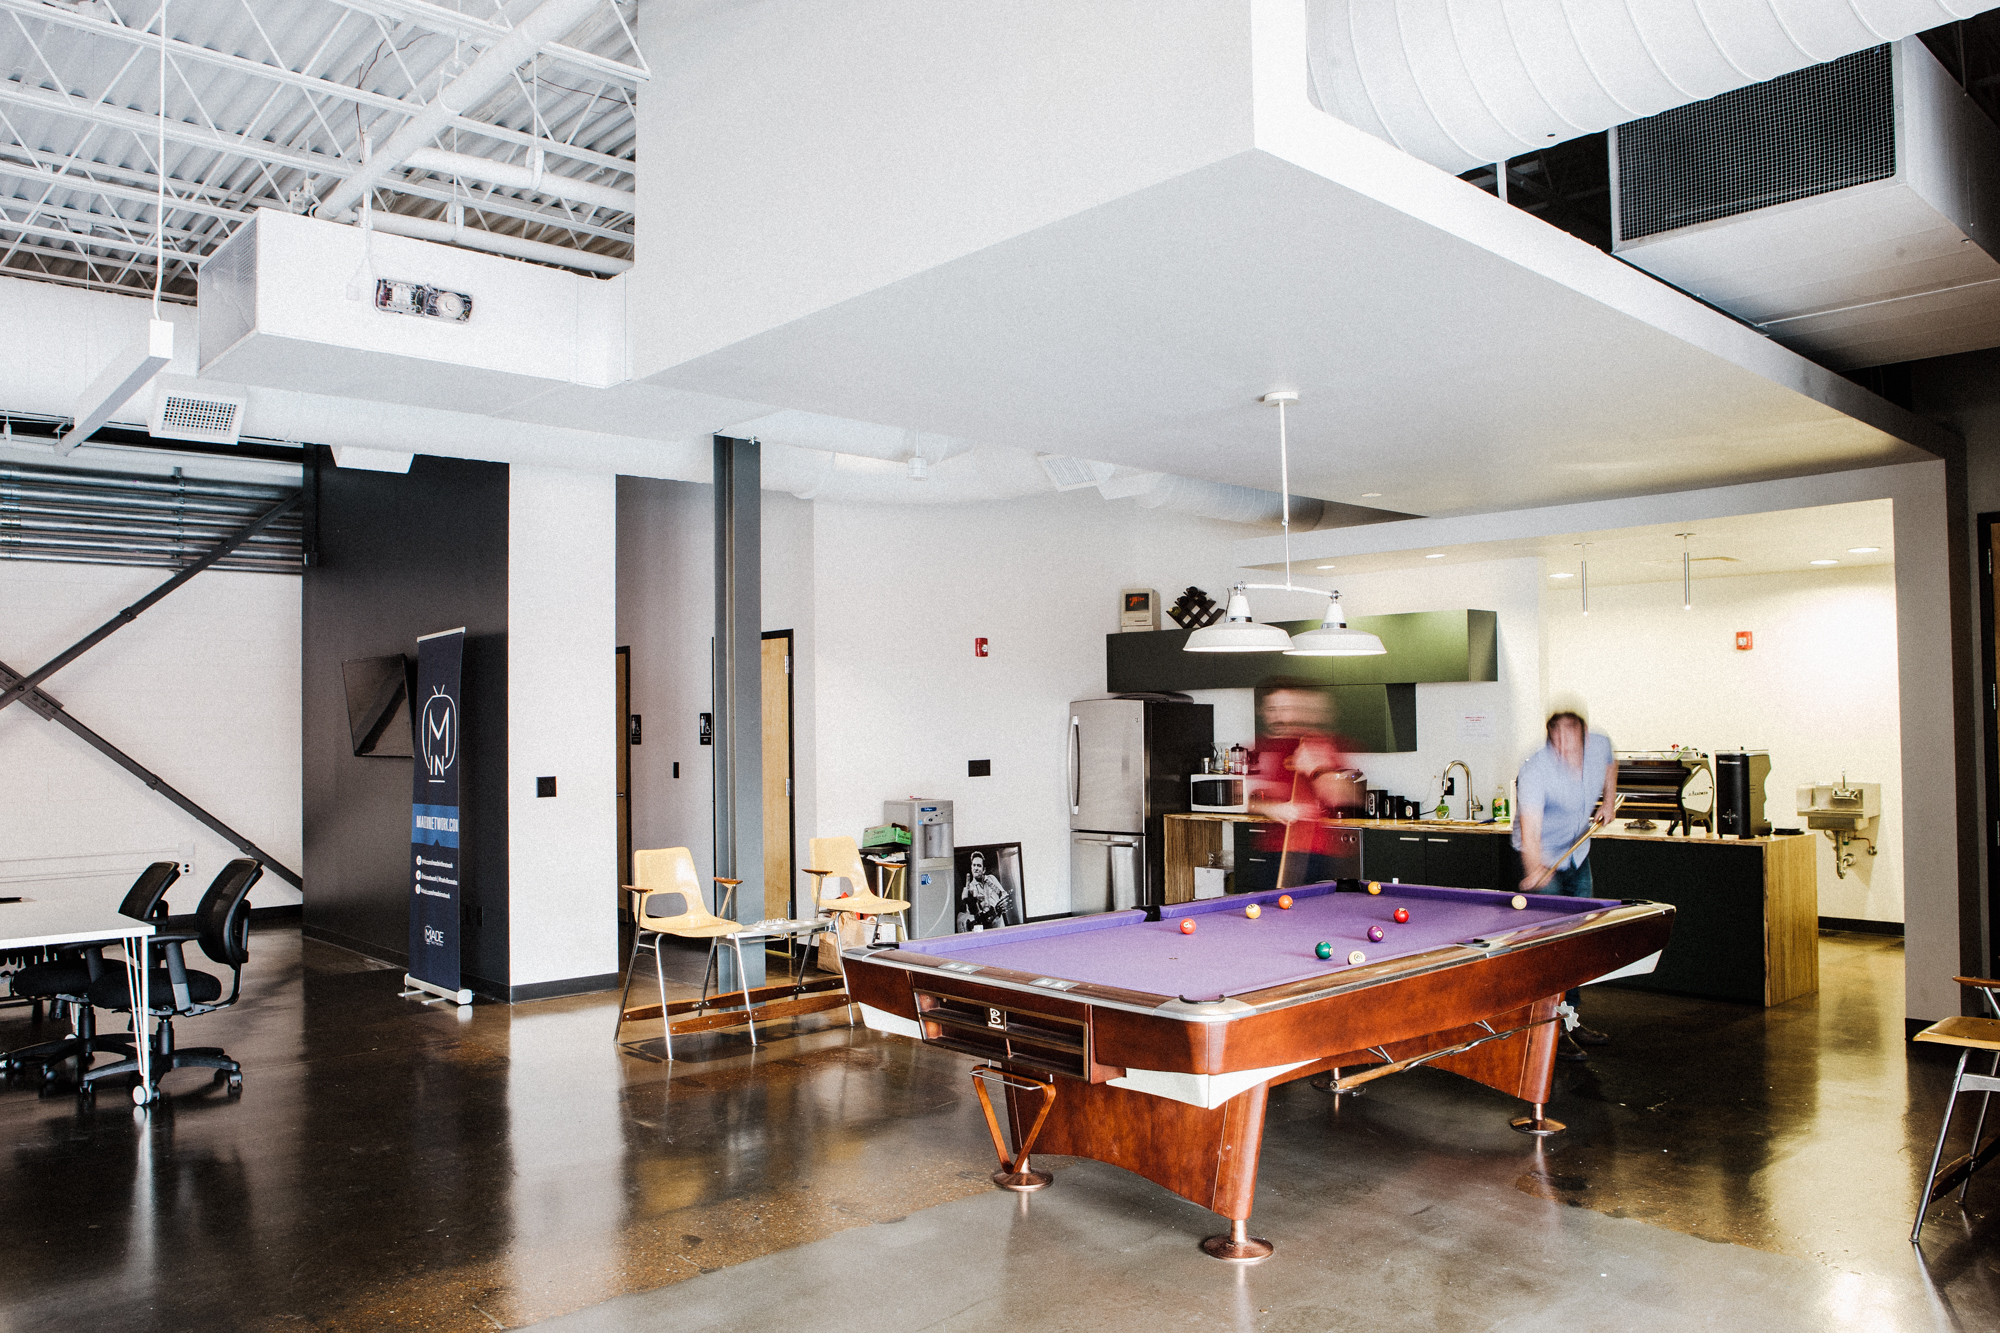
66	981
221	925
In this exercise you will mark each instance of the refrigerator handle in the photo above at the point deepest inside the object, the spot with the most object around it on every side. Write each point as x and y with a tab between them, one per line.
1075	759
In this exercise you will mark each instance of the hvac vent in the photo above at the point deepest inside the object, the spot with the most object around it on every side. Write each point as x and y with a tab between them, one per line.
1806	133
202	418
1072	474
1850	211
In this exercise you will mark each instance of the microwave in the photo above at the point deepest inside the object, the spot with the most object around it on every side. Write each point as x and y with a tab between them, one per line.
1219	794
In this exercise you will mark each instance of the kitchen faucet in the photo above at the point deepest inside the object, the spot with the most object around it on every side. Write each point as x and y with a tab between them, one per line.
1472	805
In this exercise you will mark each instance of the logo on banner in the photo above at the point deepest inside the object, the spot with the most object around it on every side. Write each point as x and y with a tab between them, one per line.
439	734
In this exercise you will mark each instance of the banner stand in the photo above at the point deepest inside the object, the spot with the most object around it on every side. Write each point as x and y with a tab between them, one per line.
436	993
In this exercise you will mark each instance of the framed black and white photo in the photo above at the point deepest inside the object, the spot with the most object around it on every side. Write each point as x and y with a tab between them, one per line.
986	886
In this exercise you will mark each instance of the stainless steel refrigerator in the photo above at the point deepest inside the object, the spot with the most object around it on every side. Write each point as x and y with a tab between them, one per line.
1128	767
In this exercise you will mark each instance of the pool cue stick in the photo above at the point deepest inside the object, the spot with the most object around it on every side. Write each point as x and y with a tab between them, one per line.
1285	855
1595	826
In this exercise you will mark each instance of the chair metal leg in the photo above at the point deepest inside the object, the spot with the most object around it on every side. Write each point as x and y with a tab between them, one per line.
712	967
1924	1198
666	1019
744	977
1979	1128
630	962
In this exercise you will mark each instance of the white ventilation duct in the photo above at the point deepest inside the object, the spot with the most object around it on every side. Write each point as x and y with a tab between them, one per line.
1461	83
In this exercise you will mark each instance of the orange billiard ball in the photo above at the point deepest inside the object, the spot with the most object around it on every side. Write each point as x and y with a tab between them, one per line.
1285	901
1253	911
1374	886
1402	915
1187	925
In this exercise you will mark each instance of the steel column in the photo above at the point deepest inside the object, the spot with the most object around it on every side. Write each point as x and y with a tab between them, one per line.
739	723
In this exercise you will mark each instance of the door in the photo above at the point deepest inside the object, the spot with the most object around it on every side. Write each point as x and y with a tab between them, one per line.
624	771
1387	854
780	829
1107	765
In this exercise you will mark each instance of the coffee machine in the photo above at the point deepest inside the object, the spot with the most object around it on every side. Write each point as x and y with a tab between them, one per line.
1739	793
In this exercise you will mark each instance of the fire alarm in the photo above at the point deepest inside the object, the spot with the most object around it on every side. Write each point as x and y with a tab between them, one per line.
1743	641
979	647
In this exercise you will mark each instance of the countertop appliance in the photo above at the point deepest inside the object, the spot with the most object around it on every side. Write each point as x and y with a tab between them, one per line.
1128	766
1739	793
1676	784
1219	794
927	885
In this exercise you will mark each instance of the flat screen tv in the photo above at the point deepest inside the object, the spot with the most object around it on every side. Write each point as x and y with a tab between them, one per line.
378	705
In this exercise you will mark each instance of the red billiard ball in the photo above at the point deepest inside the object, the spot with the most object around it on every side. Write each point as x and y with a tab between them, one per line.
1187	925
1285	901
1375	934
1402	916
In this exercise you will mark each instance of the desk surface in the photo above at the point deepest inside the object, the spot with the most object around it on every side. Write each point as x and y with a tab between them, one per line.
39	921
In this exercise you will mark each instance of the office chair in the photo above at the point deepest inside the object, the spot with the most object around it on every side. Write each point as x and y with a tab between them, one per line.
66	981
670	903
221	925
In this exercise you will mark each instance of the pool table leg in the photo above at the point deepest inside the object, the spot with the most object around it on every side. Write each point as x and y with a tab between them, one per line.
1239	1246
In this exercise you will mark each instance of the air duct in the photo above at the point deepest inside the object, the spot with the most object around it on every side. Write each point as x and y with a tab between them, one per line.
1461	83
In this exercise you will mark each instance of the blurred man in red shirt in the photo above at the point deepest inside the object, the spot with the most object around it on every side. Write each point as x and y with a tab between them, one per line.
1299	780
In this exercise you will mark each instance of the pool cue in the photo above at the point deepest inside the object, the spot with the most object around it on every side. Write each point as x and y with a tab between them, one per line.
1595	826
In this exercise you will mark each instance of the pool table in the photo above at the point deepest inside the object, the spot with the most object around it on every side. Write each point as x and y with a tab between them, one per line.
1122	1038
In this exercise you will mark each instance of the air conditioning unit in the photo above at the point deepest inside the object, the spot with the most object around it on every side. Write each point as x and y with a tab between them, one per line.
202	417
1850	210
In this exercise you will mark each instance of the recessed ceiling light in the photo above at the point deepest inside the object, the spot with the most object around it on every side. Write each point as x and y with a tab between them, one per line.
1371	495
1863	550
1562	576
1435	555
1822	562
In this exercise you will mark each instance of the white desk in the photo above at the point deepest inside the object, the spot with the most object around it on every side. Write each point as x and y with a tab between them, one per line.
43	922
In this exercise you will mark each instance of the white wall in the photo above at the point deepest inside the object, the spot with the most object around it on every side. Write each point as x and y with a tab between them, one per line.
666	616
562	721
903	703
203	689
1817	689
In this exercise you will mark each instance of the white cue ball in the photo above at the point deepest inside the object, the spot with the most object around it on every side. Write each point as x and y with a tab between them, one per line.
1519	902
1356	958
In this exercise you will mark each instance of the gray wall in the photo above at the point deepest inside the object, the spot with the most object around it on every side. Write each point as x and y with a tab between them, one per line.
399	556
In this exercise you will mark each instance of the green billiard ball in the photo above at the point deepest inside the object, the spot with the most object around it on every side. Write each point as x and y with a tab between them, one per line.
1323	949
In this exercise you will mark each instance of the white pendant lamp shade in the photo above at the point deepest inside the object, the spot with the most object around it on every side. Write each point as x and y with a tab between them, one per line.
1334	639
1238	633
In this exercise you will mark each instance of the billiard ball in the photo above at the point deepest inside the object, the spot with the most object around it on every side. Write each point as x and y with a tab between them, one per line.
1187	925
1402	916
1322	950
1519	902
1357	958
1253	911
1375	934
1285	901
1374	886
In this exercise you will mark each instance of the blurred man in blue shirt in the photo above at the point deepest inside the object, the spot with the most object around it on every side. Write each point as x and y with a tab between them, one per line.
1565	789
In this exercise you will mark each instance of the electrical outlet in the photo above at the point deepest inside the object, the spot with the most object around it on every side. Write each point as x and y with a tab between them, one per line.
545	786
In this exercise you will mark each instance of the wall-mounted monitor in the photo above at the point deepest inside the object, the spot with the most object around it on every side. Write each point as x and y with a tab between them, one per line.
378	705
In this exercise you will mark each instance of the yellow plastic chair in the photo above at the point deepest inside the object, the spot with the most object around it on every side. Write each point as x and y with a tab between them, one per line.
1969	1035
840	856
669	902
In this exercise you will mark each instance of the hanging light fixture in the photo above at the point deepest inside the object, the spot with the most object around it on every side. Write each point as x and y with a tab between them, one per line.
1238	633
1583	574
1687	573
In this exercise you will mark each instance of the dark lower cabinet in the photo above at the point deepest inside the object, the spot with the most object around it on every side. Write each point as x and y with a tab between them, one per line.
1418	856
1718	945
1393	854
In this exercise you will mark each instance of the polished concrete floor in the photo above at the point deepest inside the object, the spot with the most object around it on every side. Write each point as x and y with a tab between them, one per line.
389	1166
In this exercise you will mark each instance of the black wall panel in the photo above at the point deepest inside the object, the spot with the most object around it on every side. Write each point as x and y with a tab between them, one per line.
396	556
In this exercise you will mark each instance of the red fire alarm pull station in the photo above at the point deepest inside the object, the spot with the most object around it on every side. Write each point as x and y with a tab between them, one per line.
1743	641
979	647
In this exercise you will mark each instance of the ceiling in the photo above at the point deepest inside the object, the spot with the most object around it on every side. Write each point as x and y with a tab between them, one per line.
1783	542
267	105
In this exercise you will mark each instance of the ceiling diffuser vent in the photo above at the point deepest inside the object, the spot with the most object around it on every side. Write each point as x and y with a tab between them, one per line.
1072	474
201	418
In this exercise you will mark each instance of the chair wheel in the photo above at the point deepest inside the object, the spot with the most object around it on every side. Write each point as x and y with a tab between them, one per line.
141	1094
236	1082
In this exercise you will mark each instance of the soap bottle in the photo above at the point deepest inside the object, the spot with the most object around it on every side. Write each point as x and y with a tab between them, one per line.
1501	814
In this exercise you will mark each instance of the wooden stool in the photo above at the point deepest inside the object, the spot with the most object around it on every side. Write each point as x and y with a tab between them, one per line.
1969	1035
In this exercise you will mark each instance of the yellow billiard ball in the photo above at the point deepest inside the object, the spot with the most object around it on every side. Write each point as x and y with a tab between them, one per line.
1519	902
1253	911
1374	886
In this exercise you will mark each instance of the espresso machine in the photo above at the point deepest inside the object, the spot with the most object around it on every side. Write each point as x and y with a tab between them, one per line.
1739	793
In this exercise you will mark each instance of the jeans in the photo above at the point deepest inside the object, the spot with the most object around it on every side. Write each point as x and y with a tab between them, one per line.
1571	883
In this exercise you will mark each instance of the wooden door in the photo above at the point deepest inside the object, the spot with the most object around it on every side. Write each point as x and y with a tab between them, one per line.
624	770
778	822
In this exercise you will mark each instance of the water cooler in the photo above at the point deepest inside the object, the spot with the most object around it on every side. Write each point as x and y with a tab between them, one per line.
927	882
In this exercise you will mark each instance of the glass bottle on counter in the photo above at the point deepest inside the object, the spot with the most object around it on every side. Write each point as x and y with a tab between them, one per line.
1501	812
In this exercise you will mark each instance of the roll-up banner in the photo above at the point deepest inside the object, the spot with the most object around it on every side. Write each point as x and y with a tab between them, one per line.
436	886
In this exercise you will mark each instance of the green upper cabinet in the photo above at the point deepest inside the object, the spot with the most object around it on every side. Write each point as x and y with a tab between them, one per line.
1424	647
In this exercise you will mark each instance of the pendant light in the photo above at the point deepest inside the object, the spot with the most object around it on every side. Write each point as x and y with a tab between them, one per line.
1583	574
1687	573
1238	633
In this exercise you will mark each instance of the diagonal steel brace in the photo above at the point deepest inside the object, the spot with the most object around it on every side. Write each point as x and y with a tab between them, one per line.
40	702
219	551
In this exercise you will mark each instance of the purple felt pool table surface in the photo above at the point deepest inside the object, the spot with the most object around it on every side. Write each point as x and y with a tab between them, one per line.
1229	953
